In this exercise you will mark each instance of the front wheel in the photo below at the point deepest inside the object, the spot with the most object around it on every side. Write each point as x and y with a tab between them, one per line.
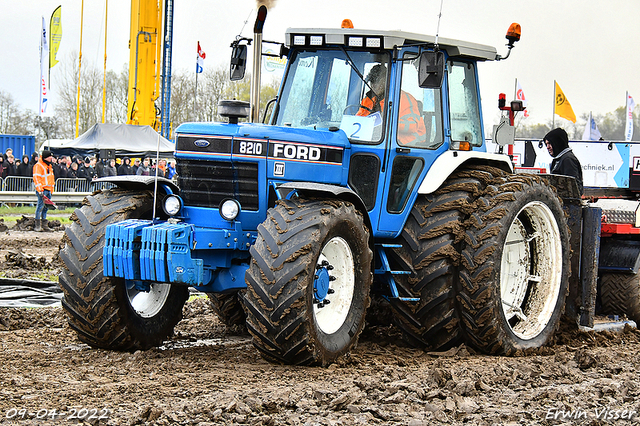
309	280
515	267
107	312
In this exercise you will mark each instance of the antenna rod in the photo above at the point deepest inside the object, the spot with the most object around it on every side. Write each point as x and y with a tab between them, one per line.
439	16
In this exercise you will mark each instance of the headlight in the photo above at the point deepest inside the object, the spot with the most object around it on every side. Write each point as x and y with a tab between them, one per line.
229	209
172	205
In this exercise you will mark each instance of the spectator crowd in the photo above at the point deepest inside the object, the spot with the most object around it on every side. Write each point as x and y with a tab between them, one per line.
89	168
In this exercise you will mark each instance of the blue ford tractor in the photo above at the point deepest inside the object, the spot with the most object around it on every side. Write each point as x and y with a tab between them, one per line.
293	226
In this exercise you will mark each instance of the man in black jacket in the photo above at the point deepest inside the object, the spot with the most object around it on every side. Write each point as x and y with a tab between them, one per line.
125	167
86	171
564	160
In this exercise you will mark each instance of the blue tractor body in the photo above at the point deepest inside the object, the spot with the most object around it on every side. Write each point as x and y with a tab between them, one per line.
316	144
370	187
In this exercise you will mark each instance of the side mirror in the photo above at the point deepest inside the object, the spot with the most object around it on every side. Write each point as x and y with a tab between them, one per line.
431	70
238	61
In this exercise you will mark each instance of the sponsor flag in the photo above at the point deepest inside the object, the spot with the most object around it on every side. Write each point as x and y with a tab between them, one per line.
200	59
562	105
44	53
591	132
521	97
628	133
55	35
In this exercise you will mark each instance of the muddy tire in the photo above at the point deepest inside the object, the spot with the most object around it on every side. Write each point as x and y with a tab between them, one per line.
300	246
430	251
110	313
228	308
620	294
514	267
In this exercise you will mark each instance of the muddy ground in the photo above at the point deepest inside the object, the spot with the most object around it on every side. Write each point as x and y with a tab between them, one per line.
208	375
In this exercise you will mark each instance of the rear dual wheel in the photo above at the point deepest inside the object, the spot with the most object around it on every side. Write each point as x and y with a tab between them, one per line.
515	267
429	249
228	308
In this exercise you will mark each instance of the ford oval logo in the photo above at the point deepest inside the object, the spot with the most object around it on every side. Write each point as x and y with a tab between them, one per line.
201	143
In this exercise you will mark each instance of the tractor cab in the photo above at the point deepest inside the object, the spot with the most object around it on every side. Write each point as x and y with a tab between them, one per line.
400	99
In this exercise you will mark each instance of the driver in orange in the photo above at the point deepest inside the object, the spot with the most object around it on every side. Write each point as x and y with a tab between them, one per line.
411	129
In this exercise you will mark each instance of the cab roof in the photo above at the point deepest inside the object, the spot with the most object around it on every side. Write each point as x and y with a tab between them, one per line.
386	40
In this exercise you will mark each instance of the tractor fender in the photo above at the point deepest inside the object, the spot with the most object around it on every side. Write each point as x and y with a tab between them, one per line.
332	191
449	161
132	182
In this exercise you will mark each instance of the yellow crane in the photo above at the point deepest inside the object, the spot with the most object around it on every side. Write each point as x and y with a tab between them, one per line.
144	62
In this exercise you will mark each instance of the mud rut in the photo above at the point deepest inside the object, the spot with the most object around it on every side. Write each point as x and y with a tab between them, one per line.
208	374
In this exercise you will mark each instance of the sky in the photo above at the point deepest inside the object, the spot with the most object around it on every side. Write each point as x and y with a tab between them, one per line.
590	47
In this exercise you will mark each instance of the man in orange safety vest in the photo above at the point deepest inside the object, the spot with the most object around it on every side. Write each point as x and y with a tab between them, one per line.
411	128
44	181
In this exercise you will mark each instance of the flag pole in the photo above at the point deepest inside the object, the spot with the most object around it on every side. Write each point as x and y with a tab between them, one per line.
553	116
195	97
104	73
42	40
51	47
79	66
626	113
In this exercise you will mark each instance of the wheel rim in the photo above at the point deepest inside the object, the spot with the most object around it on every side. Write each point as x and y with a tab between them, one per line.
147	304
531	270
336	259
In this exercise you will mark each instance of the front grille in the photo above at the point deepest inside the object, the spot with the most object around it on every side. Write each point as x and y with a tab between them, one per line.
207	183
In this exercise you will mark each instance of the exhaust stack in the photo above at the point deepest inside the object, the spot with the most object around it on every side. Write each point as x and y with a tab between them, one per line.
257	64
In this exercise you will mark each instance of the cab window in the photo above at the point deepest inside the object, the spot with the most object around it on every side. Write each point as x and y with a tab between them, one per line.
463	103
420	111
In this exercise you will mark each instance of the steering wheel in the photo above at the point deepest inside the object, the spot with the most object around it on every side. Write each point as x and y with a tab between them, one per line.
348	107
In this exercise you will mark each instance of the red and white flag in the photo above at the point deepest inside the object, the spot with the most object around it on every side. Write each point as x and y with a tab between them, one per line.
44	54
628	134
521	97
200	59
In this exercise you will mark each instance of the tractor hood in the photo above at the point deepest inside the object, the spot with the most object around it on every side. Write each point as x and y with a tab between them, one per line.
337	138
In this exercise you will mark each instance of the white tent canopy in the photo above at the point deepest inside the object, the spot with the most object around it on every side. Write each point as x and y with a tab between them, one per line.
55	143
122	139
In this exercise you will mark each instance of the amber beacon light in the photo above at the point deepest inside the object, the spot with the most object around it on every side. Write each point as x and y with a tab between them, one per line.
513	33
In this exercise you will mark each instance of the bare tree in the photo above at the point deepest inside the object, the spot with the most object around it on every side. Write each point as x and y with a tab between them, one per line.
182	98
10	116
211	93
90	96
116	96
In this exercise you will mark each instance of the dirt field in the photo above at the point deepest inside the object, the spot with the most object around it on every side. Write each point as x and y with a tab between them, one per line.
207	374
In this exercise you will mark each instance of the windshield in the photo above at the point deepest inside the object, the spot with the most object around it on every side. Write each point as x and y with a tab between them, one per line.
325	89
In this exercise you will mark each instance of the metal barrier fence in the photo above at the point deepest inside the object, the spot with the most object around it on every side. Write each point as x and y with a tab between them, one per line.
25	184
18	183
72	185
20	189
101	185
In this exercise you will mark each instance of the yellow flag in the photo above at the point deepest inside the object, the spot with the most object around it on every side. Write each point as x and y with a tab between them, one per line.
55	34
563	107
